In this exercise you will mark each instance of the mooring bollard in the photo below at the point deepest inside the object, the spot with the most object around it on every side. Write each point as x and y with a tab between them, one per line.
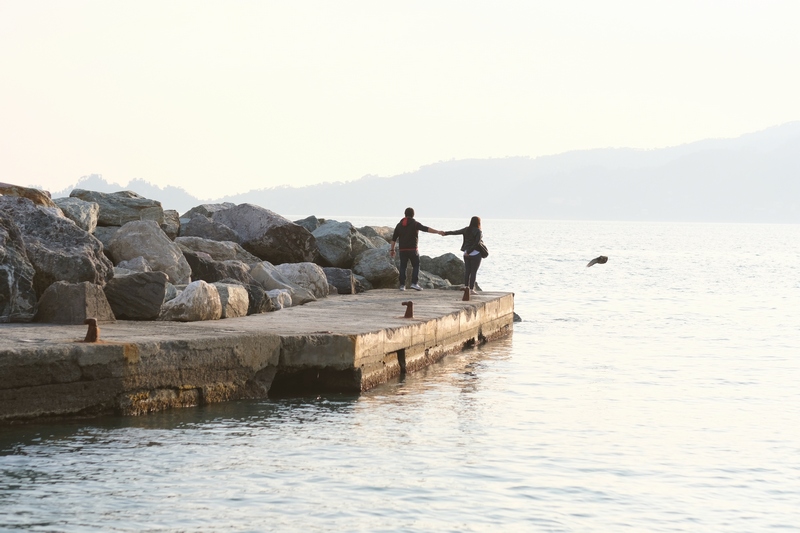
465	298
93	333
409	309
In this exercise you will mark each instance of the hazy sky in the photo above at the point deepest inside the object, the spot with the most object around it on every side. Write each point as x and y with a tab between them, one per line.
224	97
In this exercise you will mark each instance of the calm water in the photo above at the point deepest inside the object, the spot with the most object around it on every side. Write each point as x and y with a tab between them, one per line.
657	392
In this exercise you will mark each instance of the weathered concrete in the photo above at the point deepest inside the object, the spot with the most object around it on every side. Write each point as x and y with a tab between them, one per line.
341	343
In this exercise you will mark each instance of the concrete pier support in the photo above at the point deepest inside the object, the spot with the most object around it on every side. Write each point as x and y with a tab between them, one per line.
342	343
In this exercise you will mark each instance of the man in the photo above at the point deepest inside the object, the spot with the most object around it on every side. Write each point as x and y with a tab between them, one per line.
407	232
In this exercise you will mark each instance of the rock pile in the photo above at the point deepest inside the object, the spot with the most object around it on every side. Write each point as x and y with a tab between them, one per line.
122	256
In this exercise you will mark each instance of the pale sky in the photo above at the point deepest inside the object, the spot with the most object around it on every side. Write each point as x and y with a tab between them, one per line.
224	97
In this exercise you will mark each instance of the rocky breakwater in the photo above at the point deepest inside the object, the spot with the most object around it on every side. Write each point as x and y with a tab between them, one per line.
121	257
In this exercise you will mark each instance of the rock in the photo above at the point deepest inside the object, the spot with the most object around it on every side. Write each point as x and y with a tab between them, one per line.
207	210
258	301
218	250
362	284
73	303
378	268
310	223
137	264
37	196
339	243
138	296
307	275
270	278
205	268
198	301
448	266
382	232
342	279
82	213
57	248
517	318
145	238
432	281
233	298
280	298
104	234
204	227
268	235
172	292
17	295
171	225
119	208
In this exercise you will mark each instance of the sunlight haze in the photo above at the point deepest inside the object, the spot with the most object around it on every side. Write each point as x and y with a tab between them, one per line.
224	97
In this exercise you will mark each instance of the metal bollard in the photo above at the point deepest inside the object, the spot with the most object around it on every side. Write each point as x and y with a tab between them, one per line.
93	333
409	309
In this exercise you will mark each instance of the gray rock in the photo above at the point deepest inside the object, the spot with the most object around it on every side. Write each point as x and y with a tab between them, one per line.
137	264
104	234
362	284
37	196
339	243
138	296
17	295
145	238
72	303
307	275
266	275
382	232
218	250
310	223
205	268
280	298
342	279
204	227
198	301
171	293
82	213
378	268
57	248
432	281
268	235
207	209
448	266
172	223
233	298
119	208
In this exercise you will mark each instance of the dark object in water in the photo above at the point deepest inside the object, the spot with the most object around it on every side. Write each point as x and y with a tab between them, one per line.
601	260
93	333
409	309
465	298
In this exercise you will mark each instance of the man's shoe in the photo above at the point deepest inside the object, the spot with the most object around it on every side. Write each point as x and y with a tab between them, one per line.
402	287
416	287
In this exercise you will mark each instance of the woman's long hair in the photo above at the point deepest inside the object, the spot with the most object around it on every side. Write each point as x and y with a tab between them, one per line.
475	222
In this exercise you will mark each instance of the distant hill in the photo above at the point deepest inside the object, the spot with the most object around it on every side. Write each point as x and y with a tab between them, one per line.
752	178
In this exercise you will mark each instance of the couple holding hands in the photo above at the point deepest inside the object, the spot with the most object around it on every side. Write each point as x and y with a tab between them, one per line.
407	233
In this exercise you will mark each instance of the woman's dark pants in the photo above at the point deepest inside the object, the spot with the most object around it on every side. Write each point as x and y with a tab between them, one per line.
471	264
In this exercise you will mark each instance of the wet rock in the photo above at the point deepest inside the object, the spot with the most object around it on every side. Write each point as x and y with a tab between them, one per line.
73	303
145	238
138	296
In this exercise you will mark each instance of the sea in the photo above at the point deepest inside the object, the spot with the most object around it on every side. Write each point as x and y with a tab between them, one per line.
659	391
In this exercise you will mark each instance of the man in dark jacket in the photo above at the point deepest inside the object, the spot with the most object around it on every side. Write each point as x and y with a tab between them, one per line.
407	232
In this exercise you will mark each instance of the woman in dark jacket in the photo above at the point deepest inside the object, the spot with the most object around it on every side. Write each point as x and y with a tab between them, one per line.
473	237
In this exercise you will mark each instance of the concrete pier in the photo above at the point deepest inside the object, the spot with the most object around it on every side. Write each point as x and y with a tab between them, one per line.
337	344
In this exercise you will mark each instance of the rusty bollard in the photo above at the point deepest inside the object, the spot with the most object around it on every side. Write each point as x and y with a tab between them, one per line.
465	298
93	333
409	309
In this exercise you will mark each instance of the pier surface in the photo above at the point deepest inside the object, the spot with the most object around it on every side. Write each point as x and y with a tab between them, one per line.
344	343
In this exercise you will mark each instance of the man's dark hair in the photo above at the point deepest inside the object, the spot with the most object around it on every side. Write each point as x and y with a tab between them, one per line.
410	212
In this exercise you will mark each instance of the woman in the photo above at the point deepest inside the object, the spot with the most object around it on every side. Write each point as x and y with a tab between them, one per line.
473	239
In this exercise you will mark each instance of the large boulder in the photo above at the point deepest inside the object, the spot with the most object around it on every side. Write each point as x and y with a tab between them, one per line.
204	227
378	268
205	268
268	235
72	303
82	213
207	209
448	266
280	298
432	281
270	278
104	234
171	224
119	208
258	300
57	248
218	250
342	279
310	223
233	298
145	238
382	232
339	243
138	296
198	301
307	275
37	196
17	295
